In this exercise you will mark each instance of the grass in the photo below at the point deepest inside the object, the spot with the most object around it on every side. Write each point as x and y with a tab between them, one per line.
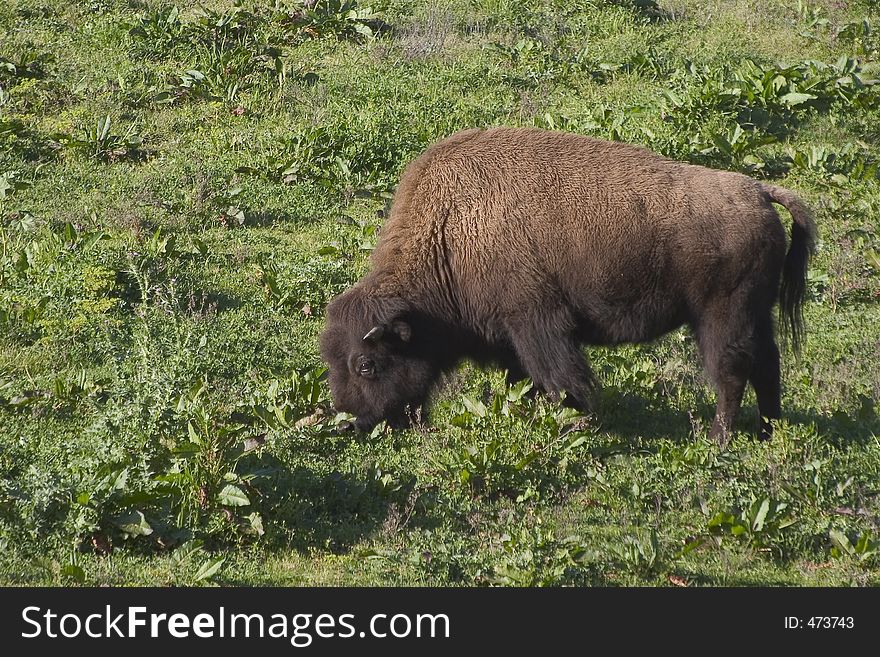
183	190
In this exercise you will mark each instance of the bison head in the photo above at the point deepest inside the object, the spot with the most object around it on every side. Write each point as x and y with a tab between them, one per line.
378	364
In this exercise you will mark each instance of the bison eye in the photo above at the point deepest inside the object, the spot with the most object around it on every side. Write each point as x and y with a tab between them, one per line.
367	368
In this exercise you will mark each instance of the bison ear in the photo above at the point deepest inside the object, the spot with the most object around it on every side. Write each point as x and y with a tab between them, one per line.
374	334
402	329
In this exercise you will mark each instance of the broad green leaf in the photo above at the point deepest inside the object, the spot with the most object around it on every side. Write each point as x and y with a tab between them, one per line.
120	480
720	519
5	185
475	406
193	434
528	459
795	98
209	568
74	572
761	515
256	523
232	495
103	129
518	390
690	546
577	442
841	541
787	522
94	238
186	551
69	232
863	545
673	98
283	415
133	524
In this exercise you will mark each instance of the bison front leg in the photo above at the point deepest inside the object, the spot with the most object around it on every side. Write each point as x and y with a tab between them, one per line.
550	355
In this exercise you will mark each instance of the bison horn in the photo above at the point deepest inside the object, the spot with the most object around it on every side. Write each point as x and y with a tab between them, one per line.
374	333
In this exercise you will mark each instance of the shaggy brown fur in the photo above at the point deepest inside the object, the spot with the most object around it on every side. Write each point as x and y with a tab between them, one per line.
516	246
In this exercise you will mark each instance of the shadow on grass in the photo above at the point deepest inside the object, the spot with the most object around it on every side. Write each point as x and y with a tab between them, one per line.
840	429
194	300
637	418
331	511
24	142
632	416
318	508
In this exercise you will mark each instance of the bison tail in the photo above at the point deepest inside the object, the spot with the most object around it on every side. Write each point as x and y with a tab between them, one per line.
794	270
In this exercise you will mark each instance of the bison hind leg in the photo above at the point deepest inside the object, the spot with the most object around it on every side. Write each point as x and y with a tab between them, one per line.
729	338
765	378
549	353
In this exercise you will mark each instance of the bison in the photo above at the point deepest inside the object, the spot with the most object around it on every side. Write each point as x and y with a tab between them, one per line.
515	247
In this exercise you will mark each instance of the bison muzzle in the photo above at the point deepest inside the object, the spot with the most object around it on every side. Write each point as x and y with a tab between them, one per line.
515	247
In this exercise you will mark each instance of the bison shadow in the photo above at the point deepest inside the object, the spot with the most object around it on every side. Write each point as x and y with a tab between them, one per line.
634	418
331	511
838	429
335	510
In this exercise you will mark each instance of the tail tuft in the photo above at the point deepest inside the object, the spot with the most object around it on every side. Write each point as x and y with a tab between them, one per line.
792	292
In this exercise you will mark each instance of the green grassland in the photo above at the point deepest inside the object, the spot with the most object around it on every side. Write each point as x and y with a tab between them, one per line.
183	189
